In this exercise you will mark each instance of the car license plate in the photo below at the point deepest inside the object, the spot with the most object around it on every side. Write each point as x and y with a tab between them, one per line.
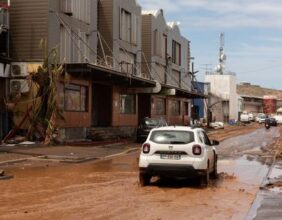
171	156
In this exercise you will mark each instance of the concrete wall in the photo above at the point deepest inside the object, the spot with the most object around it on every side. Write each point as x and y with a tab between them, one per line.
217	108
224	87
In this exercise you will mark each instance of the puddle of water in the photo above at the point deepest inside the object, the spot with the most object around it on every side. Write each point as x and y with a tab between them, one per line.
123	164
256	140
245	170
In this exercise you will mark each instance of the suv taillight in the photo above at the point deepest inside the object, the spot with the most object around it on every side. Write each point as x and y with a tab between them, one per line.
146	148
197	149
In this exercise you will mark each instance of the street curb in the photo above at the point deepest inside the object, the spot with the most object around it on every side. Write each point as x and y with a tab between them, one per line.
14	161
68	160
122	153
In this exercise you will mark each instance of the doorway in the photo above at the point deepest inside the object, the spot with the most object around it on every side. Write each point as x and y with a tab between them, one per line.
144	107
101	105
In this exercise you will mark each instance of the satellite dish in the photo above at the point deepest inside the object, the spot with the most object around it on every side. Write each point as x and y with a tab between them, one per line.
223	57
217	67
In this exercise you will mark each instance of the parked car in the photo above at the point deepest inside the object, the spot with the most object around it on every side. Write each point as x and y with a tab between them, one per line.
146	125
244	117
178	151
251	117
260	118
278	118
272	121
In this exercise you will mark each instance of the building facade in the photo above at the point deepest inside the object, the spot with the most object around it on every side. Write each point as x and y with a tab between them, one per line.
100	45
166	58
223	101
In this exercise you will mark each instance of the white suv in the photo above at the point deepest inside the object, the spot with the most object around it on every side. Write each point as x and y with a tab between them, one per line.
178	151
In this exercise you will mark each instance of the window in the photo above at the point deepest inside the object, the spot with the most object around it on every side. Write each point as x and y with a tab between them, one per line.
175	107
160	106
128	26
206	139
164	46
75	98
176	53
127	104
172	137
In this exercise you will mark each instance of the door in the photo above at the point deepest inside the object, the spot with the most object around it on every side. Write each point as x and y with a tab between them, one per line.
205	140
144	107
101	105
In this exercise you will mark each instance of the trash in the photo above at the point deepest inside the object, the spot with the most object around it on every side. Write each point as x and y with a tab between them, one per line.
217	125
3	176
2	172
27	143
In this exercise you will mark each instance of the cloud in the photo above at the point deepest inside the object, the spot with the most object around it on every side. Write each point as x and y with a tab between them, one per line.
222	14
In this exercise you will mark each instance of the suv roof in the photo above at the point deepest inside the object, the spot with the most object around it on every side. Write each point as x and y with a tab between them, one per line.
179	128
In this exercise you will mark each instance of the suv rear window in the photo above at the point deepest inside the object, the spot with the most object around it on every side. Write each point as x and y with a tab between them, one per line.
172	137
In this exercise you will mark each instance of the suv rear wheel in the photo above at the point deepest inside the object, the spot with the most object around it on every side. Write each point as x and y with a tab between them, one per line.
214	172
205	178
144	179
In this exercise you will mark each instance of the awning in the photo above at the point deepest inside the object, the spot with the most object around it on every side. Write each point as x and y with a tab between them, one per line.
107	76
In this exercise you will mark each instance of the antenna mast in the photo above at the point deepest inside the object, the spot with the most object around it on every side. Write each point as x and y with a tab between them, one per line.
222	57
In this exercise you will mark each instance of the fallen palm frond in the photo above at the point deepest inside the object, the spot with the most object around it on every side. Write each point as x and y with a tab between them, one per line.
47	78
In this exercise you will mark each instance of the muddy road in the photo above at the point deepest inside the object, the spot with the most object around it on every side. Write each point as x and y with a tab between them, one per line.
109	189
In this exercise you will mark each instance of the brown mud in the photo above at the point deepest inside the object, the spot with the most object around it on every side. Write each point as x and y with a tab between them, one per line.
109	189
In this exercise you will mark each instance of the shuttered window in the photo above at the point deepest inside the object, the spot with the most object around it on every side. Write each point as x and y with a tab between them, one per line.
127	104
175	107
128	27
74	97
160	106
79	9
176	53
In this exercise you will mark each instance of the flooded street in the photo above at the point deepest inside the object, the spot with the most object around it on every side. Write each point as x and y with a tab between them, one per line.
109	189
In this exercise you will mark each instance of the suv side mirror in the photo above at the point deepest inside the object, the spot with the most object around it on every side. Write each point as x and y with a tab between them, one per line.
214	142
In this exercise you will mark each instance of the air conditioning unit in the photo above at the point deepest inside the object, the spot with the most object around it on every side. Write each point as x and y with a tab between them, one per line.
19	69
19	85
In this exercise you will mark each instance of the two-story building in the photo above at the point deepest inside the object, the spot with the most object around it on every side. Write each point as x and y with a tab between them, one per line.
100	43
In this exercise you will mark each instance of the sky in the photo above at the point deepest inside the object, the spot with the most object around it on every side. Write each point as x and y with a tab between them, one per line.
252	30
